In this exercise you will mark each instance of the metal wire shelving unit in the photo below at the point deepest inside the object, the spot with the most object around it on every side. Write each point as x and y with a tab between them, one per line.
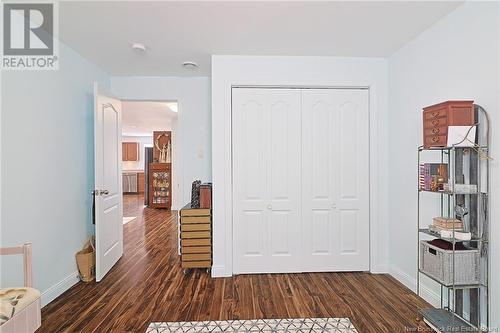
464	307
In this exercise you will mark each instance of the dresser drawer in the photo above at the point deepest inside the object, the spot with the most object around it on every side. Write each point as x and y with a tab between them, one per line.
196	242
196	256
197	264
195	219
433	114
433	131
439	122
196	227
195	234
435	141
196	249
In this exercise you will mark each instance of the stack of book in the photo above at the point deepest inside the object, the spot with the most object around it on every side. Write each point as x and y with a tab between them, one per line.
432	176
449	228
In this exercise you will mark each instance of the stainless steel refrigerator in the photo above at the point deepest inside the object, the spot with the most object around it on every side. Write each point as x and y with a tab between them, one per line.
148	158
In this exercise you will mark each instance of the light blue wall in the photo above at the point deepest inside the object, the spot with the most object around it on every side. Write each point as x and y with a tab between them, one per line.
47	166
455	59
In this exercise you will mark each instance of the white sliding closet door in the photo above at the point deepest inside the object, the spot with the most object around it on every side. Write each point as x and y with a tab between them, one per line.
335	178
266	179
300	180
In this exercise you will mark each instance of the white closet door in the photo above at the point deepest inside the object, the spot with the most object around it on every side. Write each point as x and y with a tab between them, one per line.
266	180
335	178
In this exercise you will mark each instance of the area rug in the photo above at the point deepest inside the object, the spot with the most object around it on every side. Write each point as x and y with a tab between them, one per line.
340	325
128	219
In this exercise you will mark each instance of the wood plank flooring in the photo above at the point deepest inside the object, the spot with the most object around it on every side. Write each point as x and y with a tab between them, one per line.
147	284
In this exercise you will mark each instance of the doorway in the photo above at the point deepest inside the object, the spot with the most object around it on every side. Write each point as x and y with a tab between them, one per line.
148	131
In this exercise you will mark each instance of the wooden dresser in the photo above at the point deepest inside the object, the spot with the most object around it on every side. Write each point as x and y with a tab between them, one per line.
196	237
438	117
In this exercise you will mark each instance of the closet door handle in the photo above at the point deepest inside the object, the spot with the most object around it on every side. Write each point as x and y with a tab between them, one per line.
269	207
334	206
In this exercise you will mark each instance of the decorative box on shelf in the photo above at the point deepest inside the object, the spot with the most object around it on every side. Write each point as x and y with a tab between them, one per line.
437	118
449	223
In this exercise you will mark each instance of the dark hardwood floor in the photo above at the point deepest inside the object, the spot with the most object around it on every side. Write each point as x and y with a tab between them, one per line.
147	284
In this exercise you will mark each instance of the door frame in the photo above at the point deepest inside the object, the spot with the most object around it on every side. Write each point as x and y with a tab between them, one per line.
177	175
231	250
307	71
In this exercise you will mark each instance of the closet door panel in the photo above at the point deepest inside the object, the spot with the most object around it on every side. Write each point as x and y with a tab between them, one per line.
320	140
266	179
335	183
250	178
284	168
352	201
253	152
318	145
319	224
348	231
348	146
253	222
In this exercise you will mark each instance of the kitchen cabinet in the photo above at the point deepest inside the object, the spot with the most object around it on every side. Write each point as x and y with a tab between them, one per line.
130	151
160	189
140	182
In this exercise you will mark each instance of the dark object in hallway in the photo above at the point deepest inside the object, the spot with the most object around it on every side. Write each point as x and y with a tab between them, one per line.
195	194
148	158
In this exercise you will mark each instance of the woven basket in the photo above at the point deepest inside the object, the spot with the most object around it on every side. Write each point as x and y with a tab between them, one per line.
438	264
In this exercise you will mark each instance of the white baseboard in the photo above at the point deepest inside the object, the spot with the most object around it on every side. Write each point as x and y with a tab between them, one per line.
380	269
218	271
60	287
410	282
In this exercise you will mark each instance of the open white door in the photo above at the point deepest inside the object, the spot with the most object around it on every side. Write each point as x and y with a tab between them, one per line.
108	182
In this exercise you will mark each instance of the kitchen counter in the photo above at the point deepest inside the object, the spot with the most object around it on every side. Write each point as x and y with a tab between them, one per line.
133	171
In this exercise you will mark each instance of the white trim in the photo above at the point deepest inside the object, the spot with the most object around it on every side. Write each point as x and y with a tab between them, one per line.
230	71
410	282
59	288
218	271
379	269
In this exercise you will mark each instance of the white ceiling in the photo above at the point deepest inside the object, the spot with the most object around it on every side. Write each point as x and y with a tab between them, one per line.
192	31
142	118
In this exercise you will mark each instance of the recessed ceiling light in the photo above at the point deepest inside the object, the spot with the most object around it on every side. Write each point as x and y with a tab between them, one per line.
190	65
139	46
